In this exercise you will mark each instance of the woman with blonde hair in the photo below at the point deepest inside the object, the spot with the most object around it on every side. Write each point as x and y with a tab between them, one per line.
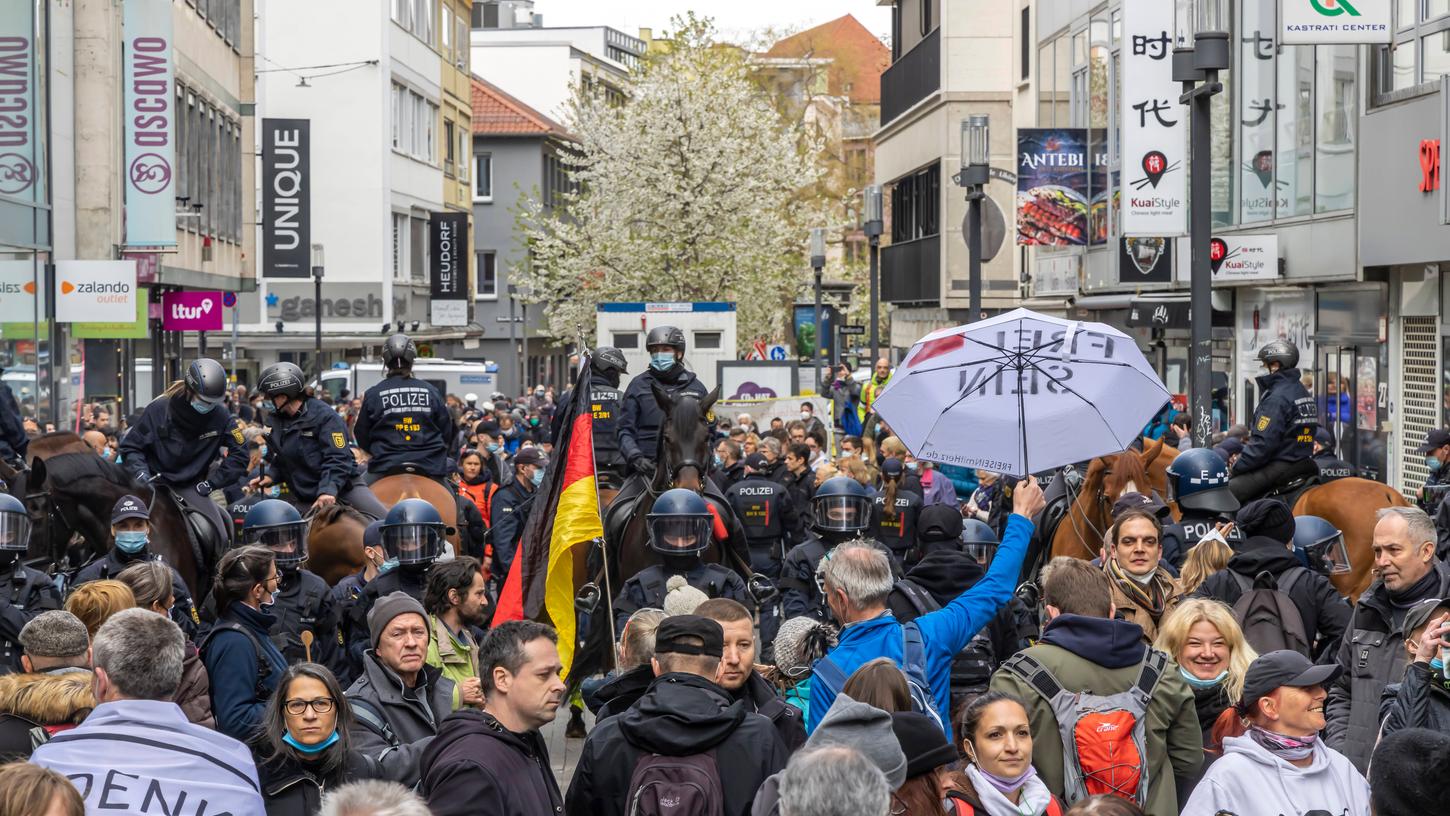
94	602
1205	558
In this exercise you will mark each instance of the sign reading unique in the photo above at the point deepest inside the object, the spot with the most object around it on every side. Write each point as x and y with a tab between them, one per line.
1244	258
1145	260
1306	22
1154	125
1052	187
191	311
95	291
448	241
149	117
286	199
19	176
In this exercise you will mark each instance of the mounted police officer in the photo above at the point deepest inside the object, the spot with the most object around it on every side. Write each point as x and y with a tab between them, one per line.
404	421
841	511
771	525
680	527
606	365
308	448
1198	481
304	601
641	417
24	592
1281	436
179	437
412	538
131	532
1330	466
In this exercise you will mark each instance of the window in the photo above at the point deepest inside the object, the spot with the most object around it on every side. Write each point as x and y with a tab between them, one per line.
626	340
448	146
400	236
445	32
483	177
1337	111
557	182
430	130
418	246
462	150
915	205
403	12
487	284
424	11
460	43
400	117
1292	152
1026	69
705	340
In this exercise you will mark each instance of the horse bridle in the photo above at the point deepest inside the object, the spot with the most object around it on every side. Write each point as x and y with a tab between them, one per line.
1073	512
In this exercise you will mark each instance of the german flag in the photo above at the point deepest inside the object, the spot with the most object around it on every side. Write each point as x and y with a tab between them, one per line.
563	519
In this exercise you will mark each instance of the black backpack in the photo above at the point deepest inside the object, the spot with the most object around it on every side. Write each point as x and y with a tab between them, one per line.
676	786
1268	615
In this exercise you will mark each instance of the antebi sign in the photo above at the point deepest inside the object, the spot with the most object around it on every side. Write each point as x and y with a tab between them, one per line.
1306	22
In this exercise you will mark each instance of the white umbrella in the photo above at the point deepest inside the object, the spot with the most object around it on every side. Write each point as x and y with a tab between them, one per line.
1021	393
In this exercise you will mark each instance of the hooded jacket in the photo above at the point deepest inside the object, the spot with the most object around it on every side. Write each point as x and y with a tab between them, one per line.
1325	612
622	691
412	716
1250	780
1421	701
1105	656
759	696
680	715
35	706
475	765
291	787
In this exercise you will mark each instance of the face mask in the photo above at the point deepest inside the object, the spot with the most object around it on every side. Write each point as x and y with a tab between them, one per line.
106	452
1200	683
1005	784
662	360
718	462
263	449
131	542
538	477
912	466
492	447
311	749
389	564
1284	746
269	407
201	406
272	601
1433	464
805	416
274	491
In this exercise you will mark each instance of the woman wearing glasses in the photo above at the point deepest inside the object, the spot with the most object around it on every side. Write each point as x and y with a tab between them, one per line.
241	660
303	749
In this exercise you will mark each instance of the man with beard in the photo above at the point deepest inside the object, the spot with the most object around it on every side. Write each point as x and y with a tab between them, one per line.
457	604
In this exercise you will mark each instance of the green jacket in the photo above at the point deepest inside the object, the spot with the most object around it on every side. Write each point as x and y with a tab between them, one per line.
458	659
1174	740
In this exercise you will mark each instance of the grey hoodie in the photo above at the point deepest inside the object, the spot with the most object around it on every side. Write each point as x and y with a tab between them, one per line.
854	725
1250	780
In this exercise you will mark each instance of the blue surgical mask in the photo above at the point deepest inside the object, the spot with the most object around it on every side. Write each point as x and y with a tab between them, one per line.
264	450
131	542
492	447
311	749
388	565
1200	683
538	477
718	462
202	406
274	491
106	452
1433	464
662	360
912	466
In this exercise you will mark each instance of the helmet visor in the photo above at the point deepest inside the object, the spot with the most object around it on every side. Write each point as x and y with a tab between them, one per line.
1329	556
288	542
842	514
679	535
413	543
14	532
980	552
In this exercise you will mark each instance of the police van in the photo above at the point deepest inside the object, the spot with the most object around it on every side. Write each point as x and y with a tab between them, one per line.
458	377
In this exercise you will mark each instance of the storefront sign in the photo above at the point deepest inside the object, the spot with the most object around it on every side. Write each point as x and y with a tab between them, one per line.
1429	165
95	291
134	329
1244	258
1306	22
149	116
17	291
1155	125
1052	187
191	311
1056	276
286	199
448	286
19	175
288	301
1145	260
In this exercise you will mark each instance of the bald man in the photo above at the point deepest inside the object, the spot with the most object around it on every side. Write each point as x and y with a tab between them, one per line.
96	440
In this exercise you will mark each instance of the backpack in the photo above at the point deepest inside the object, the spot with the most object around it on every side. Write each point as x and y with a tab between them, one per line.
1268	615
264	669
972	667
962	806
1104	744
676	786
913	654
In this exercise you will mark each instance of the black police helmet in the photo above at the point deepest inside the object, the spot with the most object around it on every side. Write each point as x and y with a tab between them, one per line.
607	359
979	540
666	336
841	505
207	380
281	379
1322	543
399	352
413	532
1283	352
276	525
14	524
680	523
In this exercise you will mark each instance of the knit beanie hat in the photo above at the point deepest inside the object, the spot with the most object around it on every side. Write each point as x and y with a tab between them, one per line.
799	642
1407	776
867	729
681	598
922	741
388	607
1269	518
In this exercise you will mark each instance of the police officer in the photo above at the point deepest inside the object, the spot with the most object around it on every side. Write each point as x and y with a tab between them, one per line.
1330	466
131	534
350	588
179	437
979	541
1281	437
404	420
641	417
304	601
412	538
896	527
680	526
1319	546
1436	450
1198	481
510	508
24	592
308	448
841	511
771	527
606	365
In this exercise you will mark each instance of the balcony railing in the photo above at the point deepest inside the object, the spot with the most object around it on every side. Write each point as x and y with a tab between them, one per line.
911	271
912	78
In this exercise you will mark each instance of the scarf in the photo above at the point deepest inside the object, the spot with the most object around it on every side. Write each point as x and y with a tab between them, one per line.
481	478
1033	801
1283	746
1149	597
1209	704
1416	592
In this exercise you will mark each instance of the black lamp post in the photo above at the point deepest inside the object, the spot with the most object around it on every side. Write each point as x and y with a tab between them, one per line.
1197	67
874	219
818	262
975	169
317	307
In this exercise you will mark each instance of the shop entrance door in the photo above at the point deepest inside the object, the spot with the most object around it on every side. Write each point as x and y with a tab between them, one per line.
1353	398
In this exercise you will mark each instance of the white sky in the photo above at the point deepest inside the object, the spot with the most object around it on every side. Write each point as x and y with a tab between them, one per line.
732	17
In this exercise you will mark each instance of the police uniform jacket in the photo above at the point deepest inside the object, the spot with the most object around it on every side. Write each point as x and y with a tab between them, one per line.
647	588
24	593
176	443
1331	467
605	400
640	415
304	602
766	512
899	535
1283	426
183	611
404	421
309	451
13	440
799	593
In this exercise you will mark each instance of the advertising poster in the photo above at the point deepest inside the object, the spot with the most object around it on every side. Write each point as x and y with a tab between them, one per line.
1308	22
804	323
448	285
95	291
19	126
1052	187
1236	258
286	199
1145	260
149	114
191	311
1099	206
1154	125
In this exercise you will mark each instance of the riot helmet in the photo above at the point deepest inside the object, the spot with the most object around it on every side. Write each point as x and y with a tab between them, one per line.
1322	544
979	540
207	380
276	525
680	523
413	533
841	505
14	525
1198	480
1283	352
281	379
399	352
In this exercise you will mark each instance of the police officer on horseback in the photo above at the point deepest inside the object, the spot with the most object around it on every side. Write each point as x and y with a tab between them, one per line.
606	365
404	424
412	538
131	532
304	601
641	418
680	529
178	438
24	592
771	527
841	511
308	448
1281	436
1198	481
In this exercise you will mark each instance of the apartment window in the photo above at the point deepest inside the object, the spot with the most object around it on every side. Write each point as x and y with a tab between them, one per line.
183	177
430	130
557	182
403	12
460	40
486	285
400	115
445	32
400	237
462	149
915	205
418	246
1026	34
448	145
483	177
424	12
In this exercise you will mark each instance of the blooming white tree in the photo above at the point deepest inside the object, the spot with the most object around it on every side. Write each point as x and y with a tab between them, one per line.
689	191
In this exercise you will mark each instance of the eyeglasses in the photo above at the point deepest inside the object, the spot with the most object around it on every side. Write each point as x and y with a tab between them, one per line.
322	705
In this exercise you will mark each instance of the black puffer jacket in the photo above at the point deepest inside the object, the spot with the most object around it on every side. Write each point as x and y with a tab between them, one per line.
291	787
475	765
1421	701
623	691
760	697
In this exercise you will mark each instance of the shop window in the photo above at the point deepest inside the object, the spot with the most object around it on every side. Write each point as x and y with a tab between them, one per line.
1293	149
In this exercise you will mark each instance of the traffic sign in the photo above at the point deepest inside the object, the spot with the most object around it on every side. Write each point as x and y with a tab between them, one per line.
777	352
851	330
229	299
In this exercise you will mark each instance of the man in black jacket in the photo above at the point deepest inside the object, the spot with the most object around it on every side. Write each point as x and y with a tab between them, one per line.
683	714
510	508
1281	437
404	422
739	677
495	761
1268	530
1422	700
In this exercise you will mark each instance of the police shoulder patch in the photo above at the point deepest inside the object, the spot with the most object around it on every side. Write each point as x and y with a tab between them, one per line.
1262	424
338	440
237	434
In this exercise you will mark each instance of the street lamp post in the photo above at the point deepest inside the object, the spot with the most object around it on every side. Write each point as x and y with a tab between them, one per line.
317	307
874	219
975	168
818	263
1197	68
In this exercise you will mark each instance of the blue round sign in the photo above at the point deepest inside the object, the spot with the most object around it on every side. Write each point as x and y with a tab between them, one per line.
777	352
229	299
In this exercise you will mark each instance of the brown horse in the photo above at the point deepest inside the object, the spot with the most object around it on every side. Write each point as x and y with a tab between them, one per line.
1090	514
334	542
1351	505
392	489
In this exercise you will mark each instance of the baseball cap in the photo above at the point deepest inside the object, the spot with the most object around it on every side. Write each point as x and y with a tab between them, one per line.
1228	447
1433	440
1422	612
891	467
129	507
1284	667
531	456
1323	436
757	461
691	635
1136	501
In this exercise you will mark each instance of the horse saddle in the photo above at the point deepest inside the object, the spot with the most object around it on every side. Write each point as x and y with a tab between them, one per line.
1290	491
411	468
207	542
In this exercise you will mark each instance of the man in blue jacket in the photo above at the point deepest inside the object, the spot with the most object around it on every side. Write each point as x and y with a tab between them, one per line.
857	580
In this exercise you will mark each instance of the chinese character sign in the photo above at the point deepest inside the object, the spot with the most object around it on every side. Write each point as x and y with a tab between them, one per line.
1154	125
1052	187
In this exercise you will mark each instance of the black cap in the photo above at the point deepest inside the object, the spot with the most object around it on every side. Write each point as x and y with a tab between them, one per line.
923	742
1323	436
1137	501
1284	667
1269	518
1422	612
129	507
891	467
487	427
939	522
757	462
691	635
531	456
373	535
1433	440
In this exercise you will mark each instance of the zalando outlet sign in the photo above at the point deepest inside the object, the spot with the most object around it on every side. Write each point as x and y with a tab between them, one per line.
95	291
